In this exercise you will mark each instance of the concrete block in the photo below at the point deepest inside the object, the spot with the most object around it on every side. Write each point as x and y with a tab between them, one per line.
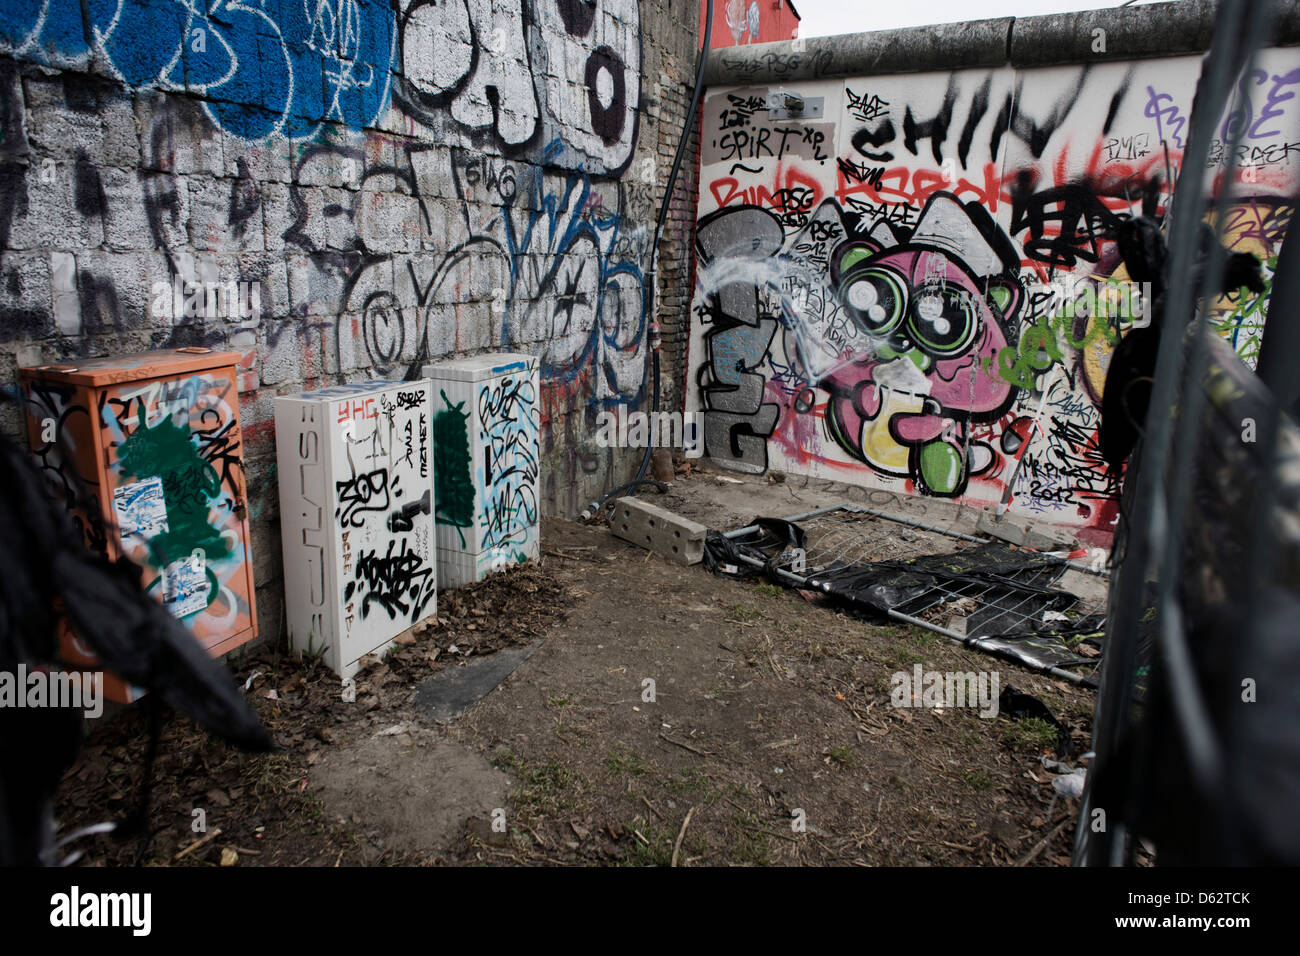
659	530
26	297
1025	533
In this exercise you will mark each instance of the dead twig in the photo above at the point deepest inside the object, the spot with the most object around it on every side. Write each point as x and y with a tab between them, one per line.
681	834
701	753
201	841
560	554
955	846
734	804
653	809
1029	857
772	660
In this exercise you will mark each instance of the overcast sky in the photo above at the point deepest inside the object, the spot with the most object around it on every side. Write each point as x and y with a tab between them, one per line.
827	17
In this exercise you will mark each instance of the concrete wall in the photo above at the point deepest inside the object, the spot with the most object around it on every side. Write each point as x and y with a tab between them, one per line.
884	278
395	182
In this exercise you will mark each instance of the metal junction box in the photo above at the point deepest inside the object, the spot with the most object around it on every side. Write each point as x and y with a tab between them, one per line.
155	438
485	426
356	516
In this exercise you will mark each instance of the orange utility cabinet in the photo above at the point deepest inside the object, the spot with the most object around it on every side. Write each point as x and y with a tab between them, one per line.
155	439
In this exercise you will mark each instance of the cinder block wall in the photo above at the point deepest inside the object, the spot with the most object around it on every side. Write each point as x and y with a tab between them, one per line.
390	183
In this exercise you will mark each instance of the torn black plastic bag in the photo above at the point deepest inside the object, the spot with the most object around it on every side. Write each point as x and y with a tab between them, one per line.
45	566
773	542
1017	705
1049	643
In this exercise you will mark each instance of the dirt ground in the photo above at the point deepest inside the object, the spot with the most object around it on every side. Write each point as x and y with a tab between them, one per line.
663	715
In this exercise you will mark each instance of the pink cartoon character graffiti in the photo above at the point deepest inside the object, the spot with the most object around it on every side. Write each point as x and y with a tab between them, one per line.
937	303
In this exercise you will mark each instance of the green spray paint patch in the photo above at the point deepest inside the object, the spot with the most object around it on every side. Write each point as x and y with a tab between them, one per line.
941	466
189	484
453	482
1243	324
1045	342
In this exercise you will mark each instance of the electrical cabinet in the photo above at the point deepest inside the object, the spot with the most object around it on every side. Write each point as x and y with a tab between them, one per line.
485	434
155	440
356	474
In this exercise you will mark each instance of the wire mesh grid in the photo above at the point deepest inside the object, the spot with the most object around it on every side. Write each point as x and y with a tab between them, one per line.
854	535
1026	601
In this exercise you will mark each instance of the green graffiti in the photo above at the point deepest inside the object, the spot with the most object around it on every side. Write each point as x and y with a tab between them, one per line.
168	451
1044	343
941	467
1242	324
453	483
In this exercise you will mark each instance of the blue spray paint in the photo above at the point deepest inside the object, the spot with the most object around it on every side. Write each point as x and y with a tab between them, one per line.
281	66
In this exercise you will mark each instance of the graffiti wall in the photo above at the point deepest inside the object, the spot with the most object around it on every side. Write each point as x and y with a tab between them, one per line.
912	282
341	191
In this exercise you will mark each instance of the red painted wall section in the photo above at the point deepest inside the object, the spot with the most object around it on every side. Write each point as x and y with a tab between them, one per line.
737	22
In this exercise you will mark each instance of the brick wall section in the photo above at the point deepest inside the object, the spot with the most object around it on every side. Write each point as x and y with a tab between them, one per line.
675	252
378	231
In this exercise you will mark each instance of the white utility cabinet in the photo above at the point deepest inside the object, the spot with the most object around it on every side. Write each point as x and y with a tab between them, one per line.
485	429
356	471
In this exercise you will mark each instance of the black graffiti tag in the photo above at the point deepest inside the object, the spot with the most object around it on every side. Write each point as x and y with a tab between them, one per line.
361	493
1066	224
509	514
399	583
509	461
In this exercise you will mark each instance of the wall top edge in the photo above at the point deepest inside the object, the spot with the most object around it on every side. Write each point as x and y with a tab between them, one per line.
1176	28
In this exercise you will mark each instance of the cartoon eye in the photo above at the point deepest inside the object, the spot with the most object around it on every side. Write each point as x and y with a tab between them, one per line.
876	299
943	320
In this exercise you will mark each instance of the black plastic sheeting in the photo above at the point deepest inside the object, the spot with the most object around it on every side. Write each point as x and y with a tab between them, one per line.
1017	613
1012	591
